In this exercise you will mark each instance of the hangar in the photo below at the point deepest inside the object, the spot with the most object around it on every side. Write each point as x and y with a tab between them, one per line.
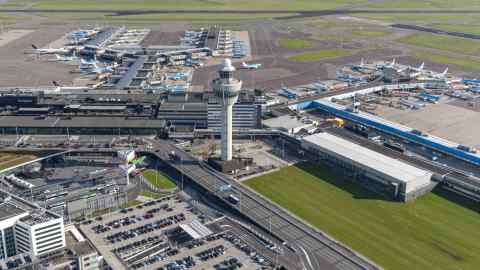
374	170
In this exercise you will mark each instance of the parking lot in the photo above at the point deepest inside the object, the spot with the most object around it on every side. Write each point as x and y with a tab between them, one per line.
148	236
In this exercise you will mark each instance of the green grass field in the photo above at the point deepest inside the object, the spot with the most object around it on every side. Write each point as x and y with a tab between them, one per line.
437	231
462	62
191	4
158	180
445	43
8	160
318	55
130	204
419	18
425	4
150	194
295	43
370	33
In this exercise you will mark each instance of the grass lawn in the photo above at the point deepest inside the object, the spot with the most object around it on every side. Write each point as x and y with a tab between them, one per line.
445	43
8	160
370	33
158	180
437	231
150	194
197	17
130	204
292	43
462	62
194	4
425	4
419	18
154	18
100	212
318	55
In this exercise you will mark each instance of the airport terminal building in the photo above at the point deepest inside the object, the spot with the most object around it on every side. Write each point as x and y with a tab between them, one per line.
377	172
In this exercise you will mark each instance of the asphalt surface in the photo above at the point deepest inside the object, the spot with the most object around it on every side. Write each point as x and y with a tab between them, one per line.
300	13
436	31
322	252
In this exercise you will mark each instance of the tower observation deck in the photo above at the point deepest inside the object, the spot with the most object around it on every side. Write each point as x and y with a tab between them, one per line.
226	89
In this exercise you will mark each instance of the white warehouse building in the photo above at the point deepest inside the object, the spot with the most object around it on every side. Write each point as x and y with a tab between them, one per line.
374	170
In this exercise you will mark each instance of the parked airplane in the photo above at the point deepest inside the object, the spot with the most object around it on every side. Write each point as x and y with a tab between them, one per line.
388	65
362	67
97	70
66	58
411	104
89	61
36	50
348	77
288	93
440	75
250	66
420	68
194	63
83	34
471	82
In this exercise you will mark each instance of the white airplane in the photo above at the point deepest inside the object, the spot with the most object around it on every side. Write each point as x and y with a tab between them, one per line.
93	61
66	58
392	64
385	65
250	66
420	68
440	75
36	50
94	69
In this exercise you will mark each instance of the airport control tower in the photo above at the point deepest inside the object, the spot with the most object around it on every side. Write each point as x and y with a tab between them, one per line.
226	89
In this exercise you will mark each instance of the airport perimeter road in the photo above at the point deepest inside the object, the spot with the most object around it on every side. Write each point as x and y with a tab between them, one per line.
319	250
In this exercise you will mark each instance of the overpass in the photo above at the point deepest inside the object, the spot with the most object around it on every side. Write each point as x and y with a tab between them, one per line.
238	132
323	251
35	160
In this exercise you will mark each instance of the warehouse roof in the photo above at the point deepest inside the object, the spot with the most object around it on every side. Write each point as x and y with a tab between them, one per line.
414	177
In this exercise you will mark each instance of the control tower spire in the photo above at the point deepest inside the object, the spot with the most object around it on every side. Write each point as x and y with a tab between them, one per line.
226	89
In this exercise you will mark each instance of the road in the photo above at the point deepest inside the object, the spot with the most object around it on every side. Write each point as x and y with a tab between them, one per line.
298	13
322	251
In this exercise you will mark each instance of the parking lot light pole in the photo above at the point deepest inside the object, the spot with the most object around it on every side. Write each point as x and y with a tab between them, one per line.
181	172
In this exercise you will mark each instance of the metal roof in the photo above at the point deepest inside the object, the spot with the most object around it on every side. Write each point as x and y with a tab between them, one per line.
379	123
195	229
413	177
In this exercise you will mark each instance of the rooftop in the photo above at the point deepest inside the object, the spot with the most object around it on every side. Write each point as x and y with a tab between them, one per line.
93	122
9	209
11	206
287	122
195	229
402	172
399	129
37	216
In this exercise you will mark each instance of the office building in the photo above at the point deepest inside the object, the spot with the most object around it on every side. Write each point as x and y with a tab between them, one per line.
26	228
